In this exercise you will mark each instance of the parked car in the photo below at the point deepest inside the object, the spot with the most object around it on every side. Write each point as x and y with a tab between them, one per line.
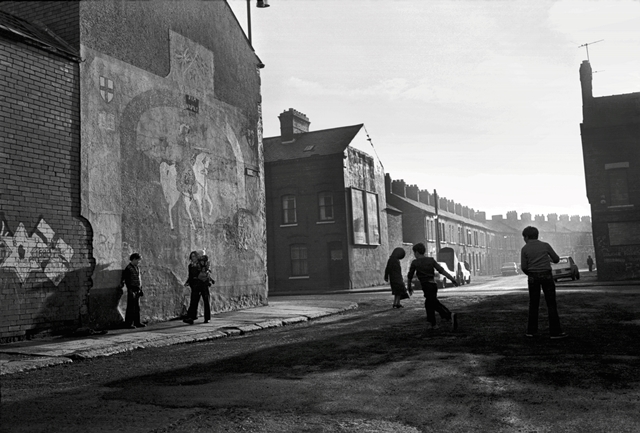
465	272
441	280
509	268
565	268
448	255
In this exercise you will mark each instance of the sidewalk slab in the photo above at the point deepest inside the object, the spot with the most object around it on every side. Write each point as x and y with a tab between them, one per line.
33	354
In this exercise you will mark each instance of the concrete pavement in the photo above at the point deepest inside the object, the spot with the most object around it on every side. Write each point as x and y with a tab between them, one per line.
39	353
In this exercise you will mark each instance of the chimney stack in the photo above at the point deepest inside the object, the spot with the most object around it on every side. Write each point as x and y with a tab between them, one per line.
292	122
424	197
412	192
398	187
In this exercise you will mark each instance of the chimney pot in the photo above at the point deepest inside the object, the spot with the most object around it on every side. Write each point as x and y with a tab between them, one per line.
292	122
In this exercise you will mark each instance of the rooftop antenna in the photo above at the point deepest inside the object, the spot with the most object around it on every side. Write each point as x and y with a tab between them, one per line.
587	46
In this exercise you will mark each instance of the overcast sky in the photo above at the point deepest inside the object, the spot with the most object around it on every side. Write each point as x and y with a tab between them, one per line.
479	100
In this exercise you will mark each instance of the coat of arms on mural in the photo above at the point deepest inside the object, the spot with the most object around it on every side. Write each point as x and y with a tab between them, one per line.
106	89
42	251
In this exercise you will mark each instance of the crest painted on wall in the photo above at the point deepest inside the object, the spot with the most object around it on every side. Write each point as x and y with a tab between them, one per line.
106	89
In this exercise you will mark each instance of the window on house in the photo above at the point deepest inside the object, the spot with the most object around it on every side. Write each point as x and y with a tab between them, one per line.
299	260
289	215
618	187
325	206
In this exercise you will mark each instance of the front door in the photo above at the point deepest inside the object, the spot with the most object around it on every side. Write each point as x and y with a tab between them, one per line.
337	266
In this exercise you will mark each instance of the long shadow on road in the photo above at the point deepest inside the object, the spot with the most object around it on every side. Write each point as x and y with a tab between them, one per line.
601	351
378	363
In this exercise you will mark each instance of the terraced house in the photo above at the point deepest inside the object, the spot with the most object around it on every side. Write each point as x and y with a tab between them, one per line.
326	218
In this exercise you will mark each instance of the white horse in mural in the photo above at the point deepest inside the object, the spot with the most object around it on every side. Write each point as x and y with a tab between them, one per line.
193	186
200	192
169	182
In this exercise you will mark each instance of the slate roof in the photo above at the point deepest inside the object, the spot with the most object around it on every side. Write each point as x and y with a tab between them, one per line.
324	142
36	34
393	209
500	226
432	209
544	226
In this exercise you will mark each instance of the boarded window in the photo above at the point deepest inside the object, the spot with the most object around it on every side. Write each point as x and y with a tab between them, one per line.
618	187
365	217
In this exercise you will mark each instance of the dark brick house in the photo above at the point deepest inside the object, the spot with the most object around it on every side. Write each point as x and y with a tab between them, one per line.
610	131
326	218
126	126
45	263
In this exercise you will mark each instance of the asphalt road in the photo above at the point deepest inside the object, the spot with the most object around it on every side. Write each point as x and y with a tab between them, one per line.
359	371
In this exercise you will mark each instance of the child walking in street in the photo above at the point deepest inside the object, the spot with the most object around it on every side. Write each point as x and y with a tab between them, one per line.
424	267
393	275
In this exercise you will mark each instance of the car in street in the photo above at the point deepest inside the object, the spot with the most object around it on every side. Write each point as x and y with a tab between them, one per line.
440	279
509	268
465	272
565	268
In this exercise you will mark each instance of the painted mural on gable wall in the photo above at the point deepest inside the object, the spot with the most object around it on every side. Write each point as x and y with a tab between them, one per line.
168	169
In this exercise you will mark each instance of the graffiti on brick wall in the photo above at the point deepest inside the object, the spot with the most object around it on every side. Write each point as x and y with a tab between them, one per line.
42	251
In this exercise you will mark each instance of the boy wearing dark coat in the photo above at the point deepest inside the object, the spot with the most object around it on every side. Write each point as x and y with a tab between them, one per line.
424	268
131	278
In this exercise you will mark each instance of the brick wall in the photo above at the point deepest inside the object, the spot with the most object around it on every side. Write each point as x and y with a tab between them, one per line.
44	249
312	176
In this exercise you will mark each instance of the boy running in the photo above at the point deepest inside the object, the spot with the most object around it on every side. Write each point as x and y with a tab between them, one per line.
424	268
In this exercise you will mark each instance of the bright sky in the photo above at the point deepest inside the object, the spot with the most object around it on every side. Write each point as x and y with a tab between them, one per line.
479	100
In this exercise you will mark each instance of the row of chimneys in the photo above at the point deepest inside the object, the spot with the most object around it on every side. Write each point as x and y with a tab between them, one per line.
552	217
294	122
412	192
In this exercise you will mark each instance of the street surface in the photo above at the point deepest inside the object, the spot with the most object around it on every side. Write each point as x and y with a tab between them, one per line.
367	370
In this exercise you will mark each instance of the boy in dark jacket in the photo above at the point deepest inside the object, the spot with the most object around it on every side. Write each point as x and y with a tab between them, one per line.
131	278
424	268
535	260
